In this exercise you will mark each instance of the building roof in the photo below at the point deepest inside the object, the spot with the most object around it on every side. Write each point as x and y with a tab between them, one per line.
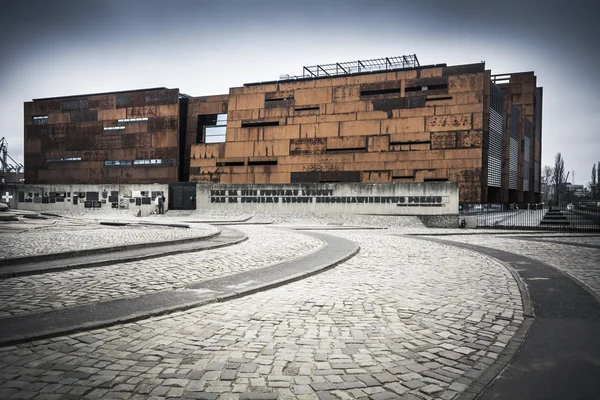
102	94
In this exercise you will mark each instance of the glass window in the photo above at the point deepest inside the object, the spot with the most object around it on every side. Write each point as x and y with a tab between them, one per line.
117	162
215	134
40	120
64	159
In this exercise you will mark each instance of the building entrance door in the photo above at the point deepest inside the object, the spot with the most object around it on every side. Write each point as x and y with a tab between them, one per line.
182	196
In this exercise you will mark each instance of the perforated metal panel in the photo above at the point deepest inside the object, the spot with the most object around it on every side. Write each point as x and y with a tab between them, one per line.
536	177
495	136
526	154
513	160
538	114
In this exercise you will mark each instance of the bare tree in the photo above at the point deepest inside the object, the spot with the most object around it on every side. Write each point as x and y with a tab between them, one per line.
594	182
558	177
547	174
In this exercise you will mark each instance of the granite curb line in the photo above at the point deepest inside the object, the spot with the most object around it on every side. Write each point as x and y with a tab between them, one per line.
101	250
535	239
22	270
487	377
184	299
551	355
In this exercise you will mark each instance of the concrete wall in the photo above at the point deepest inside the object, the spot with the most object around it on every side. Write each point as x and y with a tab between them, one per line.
50	197
436	198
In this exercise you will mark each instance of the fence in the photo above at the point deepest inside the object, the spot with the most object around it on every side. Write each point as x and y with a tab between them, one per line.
532	216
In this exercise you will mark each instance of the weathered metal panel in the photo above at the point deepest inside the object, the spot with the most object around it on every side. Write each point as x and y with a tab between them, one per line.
72	105
84	116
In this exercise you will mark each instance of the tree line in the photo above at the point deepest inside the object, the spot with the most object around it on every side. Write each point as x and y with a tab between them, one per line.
554	183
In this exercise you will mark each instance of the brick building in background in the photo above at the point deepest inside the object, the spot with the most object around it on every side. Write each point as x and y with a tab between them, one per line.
385	120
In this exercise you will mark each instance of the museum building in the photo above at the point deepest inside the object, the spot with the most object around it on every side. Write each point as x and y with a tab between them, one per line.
383	120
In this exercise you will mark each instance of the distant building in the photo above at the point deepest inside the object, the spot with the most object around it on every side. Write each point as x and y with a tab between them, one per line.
384	120
11	177
575	190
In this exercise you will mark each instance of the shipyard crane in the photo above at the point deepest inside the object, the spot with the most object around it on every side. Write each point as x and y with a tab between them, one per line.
7	163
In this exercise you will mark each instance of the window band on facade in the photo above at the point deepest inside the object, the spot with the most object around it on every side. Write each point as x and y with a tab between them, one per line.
113	128
117	162
40	119
153	161
133	119
63	159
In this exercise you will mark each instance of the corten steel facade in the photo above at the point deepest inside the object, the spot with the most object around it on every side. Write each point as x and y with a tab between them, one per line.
419	124
410	124
119	137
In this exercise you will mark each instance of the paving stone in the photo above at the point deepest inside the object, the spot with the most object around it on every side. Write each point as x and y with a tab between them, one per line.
385	395
200	395
431	389
345	323
258	396
228	375
368	380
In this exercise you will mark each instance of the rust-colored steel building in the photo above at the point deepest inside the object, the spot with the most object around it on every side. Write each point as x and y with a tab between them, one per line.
384	120
120	137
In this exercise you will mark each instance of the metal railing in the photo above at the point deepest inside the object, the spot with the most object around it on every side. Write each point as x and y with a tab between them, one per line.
531	216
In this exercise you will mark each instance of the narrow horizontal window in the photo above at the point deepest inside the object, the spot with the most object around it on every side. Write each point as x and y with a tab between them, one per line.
424	88
436	180
230	164
257	124
117	162
40	120
279	99
133	119
411	142
264	162
64	159
379	92
346	150
154	161
439	98
113	128
306	109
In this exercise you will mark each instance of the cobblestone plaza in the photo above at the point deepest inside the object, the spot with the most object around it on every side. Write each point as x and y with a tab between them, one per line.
405	317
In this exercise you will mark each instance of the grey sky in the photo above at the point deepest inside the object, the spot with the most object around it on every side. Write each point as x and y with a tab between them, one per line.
66	47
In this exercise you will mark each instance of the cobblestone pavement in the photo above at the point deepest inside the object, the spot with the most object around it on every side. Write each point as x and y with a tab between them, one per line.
266	246
48	237
579	262
402	319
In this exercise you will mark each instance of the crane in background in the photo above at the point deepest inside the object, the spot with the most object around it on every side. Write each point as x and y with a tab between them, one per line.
7	163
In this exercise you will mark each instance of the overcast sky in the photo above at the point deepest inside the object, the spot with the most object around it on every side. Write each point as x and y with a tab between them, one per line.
67	47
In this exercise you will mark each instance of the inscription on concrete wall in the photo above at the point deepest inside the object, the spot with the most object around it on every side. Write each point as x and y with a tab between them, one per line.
353	198
320	196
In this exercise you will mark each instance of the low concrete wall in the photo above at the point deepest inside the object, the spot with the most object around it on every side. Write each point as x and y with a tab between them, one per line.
436	198
92	198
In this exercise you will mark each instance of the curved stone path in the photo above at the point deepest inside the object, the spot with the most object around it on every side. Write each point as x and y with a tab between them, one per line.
581	263
56	236
398	319
32	294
